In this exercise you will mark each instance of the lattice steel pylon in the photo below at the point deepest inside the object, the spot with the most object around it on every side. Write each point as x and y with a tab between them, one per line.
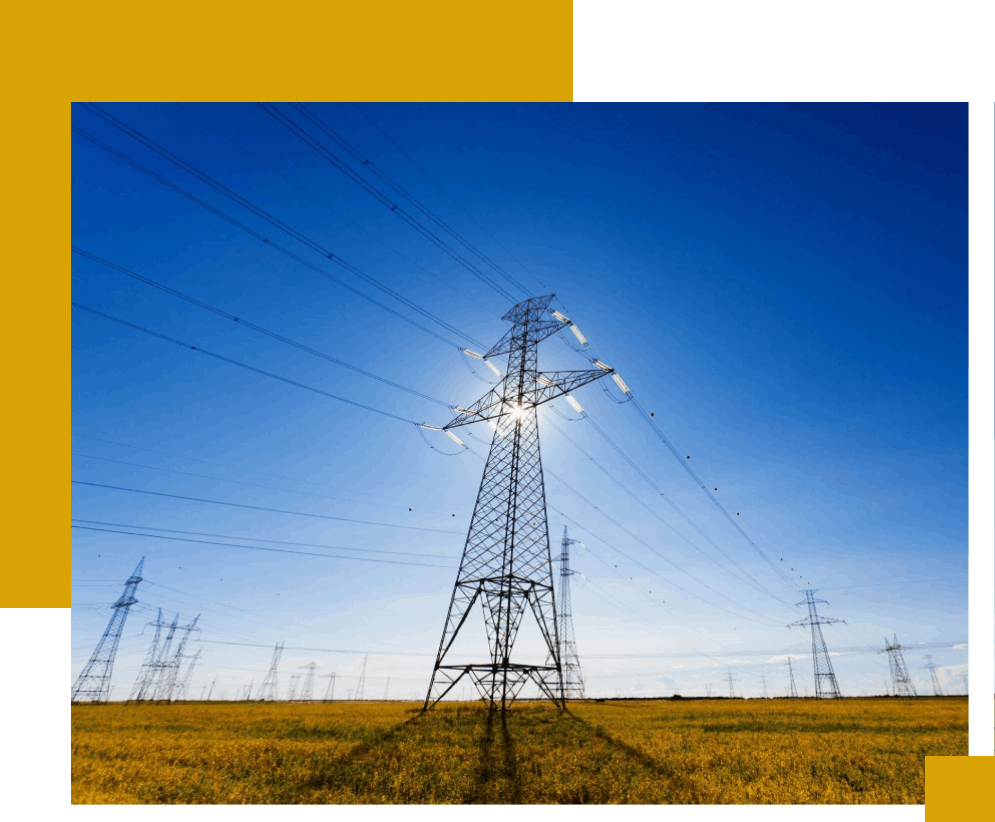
825	679
307	689
142	688
573	678
268	690
330	691
506	562
171	667
901	682
184	688
294	679
937	691
94	682
362	681
793	693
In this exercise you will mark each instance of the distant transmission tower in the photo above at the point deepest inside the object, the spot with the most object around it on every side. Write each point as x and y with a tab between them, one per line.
294	679
248	690
184	687
573	679
362	681
825	679
764	677
170	669
330	692
163	663
937	691
268	690
791	673
307	691
901	682
732	693
145	681
507	563
386	689
94	682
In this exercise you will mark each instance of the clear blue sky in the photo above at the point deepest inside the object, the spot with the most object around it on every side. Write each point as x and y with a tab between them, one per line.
784	287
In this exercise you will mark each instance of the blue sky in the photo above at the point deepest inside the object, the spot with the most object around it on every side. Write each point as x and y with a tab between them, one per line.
784	287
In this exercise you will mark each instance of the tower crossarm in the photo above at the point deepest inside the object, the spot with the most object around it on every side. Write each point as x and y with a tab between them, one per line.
535	332
505	399
819	620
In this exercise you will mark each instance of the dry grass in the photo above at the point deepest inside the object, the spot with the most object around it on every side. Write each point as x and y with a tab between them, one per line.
709	751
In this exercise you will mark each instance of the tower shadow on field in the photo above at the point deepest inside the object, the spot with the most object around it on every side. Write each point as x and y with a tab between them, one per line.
472	755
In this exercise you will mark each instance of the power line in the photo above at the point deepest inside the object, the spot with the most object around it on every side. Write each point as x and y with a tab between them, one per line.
383	199
322	202
257	539
233	468
253	326
370	166
259	547
450	196
252	232
265	215
260	508
207	353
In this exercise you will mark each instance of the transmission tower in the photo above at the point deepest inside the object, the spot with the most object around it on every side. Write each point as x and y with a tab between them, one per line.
825	679
145	681
268	690
211	692
185	683
248	690
901	682
932	672
791	673
307	691
330	692
507	563
764	677
386	689
732	693
294	679
362	681
163	663
573	679
170	669
94	682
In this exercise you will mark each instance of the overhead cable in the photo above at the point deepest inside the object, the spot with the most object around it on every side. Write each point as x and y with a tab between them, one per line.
207	353
260	508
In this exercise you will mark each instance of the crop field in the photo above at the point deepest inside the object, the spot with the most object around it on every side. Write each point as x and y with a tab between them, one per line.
653	751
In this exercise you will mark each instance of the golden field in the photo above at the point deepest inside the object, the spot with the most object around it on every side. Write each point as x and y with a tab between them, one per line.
653	751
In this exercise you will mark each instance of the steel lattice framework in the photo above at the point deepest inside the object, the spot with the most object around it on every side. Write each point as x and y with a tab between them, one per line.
507	564
901	682
268	691
307	689
573	678
169	670
94	682
825	679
